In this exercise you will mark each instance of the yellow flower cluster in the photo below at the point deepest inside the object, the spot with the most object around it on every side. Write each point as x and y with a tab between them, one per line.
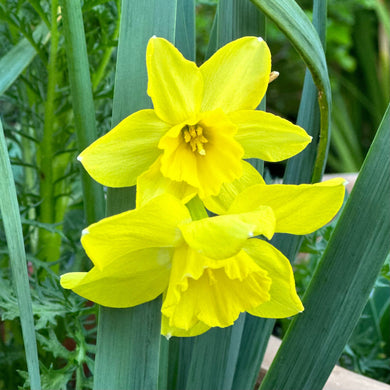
187	154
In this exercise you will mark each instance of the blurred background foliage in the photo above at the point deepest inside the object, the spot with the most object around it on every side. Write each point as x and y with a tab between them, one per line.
358	53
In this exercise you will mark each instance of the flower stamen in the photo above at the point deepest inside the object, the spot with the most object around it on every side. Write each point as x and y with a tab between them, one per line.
193	135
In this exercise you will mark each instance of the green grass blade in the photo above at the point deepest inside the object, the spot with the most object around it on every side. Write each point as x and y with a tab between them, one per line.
128	341
19	57
82	99
343	280
9	210
293	22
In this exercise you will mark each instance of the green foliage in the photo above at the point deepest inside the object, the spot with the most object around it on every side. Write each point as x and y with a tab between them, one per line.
65	326
33	111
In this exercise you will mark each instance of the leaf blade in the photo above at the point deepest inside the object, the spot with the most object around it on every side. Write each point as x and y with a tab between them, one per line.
13	230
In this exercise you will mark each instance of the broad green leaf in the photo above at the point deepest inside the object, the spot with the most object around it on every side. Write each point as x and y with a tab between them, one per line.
82	99
19	57
343	279
9	211
128	340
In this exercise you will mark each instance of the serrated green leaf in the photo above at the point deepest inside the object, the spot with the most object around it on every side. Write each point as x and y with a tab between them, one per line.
19	57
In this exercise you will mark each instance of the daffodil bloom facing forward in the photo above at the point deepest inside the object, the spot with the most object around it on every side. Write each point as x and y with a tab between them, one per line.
203	125
209	270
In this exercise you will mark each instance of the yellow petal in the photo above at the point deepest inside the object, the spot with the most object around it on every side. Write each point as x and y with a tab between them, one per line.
152	225
120	156
236	76
267	136
220	204
169	331
129	281
284	301
152	183
214	296
223	236
174	83
299	209
221	159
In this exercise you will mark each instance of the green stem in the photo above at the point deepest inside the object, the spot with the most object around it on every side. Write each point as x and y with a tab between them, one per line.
49	242
196	209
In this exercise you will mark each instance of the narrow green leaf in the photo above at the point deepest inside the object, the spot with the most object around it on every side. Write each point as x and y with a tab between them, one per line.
225	22
212	47
214	357
19	57
185	28
180	353
300	168
256	334
128	341
82	99
293	22
343	280
13	230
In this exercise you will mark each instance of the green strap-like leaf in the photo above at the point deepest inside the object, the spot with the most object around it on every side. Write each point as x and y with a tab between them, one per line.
300	168
214	357
185	29
13	231
293	22
343	280
82	99
128	341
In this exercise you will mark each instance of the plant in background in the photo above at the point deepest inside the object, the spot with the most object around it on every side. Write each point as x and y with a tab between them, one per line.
53	108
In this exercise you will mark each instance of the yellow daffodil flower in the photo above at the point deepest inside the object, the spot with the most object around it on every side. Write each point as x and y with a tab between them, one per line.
203	125
209	270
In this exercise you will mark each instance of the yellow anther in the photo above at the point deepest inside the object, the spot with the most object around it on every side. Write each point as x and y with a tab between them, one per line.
187	136
193	135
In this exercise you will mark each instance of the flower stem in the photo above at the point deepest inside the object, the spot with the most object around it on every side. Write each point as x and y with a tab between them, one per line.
49	242
196	209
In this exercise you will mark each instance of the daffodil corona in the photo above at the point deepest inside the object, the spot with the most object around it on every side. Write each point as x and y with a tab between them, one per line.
202	126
